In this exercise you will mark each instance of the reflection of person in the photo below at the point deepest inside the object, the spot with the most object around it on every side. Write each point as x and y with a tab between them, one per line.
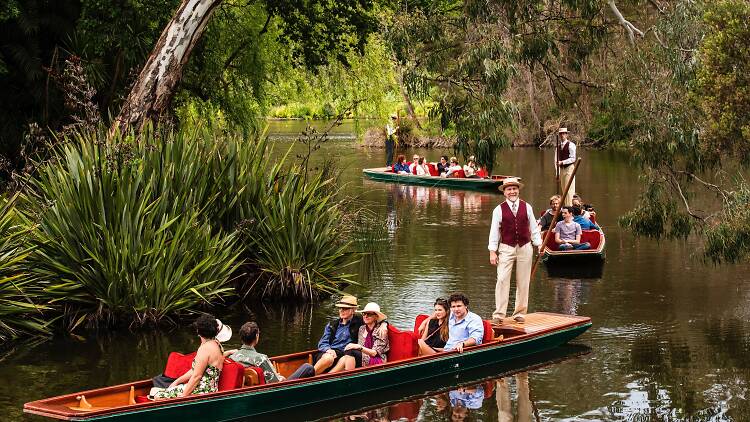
390	139
512	232
465	398
504	404
565	156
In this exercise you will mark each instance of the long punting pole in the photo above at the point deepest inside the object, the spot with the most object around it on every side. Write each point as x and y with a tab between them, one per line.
554	218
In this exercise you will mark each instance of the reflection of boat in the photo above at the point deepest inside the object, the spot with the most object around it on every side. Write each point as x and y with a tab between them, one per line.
592	269
552	255
541	332
384	174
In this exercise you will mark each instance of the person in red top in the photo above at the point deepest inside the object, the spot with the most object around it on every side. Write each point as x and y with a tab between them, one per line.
512	232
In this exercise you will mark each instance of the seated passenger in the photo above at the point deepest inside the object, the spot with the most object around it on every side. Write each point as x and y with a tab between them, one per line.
546	220
442	166
453	168
248	356
587	209
470	169
568	232
464	328
203	376
422	168
414	163
372	341
434	330
401	167
338	334
585	223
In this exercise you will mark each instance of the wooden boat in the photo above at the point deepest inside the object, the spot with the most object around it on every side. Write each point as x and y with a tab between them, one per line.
384	174
553	255
540	332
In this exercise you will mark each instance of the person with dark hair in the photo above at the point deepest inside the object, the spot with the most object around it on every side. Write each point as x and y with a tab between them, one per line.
422	169
434	330
585	223
391	130
442	166
453	168
248	356
464	328
203	377
568	232
401	167
337	334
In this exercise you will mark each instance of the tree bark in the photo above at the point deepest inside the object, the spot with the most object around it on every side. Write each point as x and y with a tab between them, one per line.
152	92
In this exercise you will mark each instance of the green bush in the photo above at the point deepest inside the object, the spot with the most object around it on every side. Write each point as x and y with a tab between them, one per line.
121	233
19	312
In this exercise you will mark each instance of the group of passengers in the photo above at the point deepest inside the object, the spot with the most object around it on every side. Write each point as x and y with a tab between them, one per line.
570	222
446	167
350	341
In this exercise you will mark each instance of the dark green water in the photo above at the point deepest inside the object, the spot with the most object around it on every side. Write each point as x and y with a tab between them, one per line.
670	341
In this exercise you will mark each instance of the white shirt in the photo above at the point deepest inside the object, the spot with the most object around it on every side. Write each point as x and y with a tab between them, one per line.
572	149
497	218
421	171
469	170
389	129
452	169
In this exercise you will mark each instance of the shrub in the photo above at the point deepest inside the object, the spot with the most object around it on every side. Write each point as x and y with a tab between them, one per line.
122	233
19	312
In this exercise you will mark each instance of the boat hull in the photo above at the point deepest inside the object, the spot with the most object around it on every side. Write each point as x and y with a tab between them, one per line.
269	398
575	257
488	185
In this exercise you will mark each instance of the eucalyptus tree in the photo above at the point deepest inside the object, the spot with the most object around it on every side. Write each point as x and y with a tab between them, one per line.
463	55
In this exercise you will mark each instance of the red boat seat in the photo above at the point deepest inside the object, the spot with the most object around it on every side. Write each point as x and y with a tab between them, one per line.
482	172
403	344
253	375
433	169
591	236
460	174
489	334
232	375
178	364
418	322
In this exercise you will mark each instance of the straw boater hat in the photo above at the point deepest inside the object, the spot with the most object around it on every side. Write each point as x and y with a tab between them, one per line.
374	307
563	130
510	181
348	301
224	333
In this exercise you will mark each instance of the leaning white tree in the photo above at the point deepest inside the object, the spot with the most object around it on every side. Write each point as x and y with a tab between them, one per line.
152	92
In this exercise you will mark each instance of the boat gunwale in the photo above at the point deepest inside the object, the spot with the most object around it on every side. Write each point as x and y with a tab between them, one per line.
41	408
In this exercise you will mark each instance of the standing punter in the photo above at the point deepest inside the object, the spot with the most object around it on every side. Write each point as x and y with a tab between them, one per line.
512	232
565	156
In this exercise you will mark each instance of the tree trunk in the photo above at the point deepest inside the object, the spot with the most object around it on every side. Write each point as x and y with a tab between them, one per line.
407	99
153	90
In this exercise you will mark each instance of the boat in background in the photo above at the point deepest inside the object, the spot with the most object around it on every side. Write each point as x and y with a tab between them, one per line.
551	254
541	332
385	174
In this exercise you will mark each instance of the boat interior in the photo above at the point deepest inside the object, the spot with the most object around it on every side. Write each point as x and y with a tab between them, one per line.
235	377
594	237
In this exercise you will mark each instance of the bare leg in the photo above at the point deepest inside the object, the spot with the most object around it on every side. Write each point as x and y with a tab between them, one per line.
341	364
323	363
350	363
424	349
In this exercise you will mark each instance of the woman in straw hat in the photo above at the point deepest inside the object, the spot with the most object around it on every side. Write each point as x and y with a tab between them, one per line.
372	342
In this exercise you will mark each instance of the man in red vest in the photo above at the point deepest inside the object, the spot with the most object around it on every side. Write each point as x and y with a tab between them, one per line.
512	233
565	157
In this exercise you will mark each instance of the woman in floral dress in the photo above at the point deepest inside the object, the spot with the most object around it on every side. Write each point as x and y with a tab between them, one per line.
203	377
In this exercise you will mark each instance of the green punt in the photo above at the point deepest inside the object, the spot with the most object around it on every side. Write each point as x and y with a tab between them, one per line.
541	332
383	174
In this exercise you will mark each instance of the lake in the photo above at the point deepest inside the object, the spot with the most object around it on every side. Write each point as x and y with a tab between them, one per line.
670	337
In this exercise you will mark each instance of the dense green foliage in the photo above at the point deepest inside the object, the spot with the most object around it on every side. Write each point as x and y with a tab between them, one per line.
19	311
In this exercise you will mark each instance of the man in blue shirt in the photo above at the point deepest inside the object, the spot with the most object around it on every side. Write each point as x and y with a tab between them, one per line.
337	334
585	223
464	328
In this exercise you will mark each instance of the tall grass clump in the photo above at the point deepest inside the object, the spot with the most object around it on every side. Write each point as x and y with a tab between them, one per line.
122	235
20	313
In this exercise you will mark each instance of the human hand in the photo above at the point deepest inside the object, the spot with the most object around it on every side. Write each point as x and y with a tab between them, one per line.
351	346
460	347
282	378
331	353
493	258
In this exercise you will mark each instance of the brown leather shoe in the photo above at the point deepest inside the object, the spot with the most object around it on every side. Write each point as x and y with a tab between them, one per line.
519	319
497	321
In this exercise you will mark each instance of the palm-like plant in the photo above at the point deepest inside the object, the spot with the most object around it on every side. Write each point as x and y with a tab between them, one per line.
19	312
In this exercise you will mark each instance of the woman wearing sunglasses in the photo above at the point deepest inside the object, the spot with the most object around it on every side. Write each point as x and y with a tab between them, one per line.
434	330
372	342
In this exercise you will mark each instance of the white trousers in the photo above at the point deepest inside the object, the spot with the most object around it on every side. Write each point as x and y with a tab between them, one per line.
565	174
506	257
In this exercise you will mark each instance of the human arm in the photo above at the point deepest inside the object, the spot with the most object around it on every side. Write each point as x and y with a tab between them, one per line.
423	326
558	239
269	372
536	234
229	353
494	238
324	345
572	157
199	367
182	378
475	328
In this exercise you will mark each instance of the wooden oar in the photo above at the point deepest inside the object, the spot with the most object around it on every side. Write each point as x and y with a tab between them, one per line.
554	219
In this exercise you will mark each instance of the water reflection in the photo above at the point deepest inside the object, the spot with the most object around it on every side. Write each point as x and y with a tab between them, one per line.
569	294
